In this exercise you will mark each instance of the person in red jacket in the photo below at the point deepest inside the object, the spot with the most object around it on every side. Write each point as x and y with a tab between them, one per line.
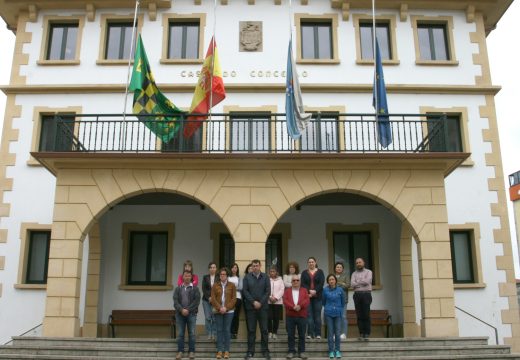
296	302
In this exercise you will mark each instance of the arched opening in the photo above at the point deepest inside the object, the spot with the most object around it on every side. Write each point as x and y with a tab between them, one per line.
341	226
136	253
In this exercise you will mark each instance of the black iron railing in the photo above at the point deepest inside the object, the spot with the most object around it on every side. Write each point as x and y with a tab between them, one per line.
248	133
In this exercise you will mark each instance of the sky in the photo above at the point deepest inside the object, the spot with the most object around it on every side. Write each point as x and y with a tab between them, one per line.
504	55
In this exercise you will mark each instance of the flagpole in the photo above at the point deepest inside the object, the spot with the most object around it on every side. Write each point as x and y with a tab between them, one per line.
374	39
290	39
212	59
123	133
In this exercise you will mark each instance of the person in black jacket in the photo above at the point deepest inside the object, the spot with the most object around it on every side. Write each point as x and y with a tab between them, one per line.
207	283
313	280
256	290
186	300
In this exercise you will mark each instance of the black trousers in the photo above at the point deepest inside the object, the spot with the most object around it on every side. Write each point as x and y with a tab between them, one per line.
236	317
253	317
275	314
293	324
362	301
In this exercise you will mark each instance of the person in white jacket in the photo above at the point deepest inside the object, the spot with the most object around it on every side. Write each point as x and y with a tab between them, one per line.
275	302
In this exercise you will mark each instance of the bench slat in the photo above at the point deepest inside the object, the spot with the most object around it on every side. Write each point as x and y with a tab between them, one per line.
143	317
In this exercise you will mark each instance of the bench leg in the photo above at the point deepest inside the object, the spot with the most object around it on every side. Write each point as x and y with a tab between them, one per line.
113	330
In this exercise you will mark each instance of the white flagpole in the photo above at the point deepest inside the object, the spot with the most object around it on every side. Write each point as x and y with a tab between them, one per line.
212	59
123	134
376	108
291	141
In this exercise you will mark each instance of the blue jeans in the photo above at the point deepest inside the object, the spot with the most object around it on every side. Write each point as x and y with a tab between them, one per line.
223	322
344	327
209	318
293	323
314	318
333	332
188	322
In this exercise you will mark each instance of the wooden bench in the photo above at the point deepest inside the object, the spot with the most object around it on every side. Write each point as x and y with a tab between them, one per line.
143	317
377	318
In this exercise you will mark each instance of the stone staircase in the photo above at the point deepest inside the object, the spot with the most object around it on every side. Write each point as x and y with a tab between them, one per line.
130	349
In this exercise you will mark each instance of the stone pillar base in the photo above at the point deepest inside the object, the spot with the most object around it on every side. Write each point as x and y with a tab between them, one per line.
61	327
411	330
439	327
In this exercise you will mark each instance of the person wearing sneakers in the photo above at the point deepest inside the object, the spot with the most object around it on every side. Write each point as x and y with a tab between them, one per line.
296	301
223	299
275	302
186	300
334	305
343	279
361	282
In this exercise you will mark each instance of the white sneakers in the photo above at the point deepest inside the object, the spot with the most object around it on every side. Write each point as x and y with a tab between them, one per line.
343	337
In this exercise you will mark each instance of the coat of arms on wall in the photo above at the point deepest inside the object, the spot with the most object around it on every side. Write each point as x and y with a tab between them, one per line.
250	36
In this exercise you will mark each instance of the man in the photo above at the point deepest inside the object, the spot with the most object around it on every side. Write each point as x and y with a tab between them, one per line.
256	290
361	282
186	300
296	301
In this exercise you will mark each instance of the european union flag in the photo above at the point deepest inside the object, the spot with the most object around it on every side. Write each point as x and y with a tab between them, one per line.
380	104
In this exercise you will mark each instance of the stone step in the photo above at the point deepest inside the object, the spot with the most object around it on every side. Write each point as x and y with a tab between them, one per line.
348	352
171	343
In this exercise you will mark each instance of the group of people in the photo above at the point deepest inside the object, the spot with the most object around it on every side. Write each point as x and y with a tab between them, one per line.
264	296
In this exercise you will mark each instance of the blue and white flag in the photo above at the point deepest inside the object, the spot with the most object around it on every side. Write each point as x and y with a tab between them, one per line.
380	104
297	119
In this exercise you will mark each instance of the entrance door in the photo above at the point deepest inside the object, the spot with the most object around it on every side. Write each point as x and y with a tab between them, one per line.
273	253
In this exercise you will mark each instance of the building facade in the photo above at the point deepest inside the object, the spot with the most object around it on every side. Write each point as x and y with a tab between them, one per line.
97	214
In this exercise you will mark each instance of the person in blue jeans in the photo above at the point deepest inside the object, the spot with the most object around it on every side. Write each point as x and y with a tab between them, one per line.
186	300
334	306
313	280
223	299
208	281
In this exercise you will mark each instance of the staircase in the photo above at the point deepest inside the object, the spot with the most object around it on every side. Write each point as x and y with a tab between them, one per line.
131	349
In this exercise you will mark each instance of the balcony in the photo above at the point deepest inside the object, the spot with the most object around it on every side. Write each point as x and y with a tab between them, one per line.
237	135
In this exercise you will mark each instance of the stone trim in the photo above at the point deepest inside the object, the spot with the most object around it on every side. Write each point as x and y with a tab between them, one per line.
481	57
180	18
90	316
325	18
20	58
501	234
476	259
443	20
47	21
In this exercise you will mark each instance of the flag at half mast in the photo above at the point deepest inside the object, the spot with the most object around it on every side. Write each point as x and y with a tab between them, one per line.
209	90
149	100
384	130
297	119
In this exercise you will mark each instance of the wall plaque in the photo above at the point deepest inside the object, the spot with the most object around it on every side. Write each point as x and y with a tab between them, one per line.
251	36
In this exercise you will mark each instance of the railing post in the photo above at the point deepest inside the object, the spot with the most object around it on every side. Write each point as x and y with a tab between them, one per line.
444	120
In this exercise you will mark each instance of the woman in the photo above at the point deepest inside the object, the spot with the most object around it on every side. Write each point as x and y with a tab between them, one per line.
275	302
235	279
343	280
207	283
334	306
223	299
188	265
313	280
291	269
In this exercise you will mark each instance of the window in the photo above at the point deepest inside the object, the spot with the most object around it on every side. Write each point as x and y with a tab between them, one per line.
226	250
38	257
56	133
183	40
250	132
118	40
445	133
62	41
321	134
350	245
316	40
462	256
383	38
148	258
433	43
273	253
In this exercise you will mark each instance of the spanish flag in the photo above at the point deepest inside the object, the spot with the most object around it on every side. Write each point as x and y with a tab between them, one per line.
208	92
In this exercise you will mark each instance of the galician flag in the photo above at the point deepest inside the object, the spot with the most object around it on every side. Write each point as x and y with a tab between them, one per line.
148	99
379	103
297	119
209	90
